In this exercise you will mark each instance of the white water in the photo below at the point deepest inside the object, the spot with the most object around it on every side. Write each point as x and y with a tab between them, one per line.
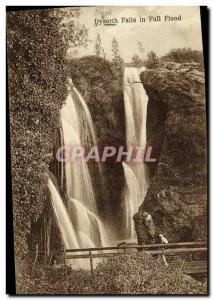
88	135
79	222
88	223
81	212
135	103
64	223
132	192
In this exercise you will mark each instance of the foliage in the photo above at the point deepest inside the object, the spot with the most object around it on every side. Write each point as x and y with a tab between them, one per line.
137	60
36	77
152	61
73	34
130	274
182	55
142	274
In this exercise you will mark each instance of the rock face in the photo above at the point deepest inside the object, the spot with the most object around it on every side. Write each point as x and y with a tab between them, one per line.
176	125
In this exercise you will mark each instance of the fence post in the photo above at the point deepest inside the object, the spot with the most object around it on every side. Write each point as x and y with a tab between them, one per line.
91	265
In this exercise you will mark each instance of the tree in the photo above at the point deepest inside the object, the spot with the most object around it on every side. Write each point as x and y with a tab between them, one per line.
152	61
116	57
136	61
140	47
102	12
74	35
99	51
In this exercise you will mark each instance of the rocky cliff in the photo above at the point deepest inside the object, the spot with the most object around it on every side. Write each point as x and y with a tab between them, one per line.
176	125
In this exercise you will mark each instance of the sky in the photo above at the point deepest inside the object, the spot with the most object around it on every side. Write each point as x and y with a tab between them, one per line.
159	37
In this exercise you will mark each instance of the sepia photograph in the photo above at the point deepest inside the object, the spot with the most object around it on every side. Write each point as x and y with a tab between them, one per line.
108	147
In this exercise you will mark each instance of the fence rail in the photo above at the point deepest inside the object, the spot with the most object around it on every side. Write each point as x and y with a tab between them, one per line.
125	246
152	252
136	246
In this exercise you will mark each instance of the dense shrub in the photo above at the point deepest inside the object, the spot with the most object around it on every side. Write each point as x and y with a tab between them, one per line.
129	274
142	274
36	77
184	55
152	61
35	94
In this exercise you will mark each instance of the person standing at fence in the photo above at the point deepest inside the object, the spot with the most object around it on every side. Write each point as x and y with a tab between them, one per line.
144	227
150	226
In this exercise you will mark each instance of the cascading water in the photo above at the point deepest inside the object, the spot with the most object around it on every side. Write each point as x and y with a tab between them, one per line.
132	192
135	103
64	223
78	218
88	223
81	210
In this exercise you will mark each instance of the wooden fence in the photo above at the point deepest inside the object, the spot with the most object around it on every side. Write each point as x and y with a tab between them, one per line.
173	249
178	254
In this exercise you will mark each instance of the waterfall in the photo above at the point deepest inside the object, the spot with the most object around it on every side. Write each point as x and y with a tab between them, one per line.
78	218
136	177
132	192
64	223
